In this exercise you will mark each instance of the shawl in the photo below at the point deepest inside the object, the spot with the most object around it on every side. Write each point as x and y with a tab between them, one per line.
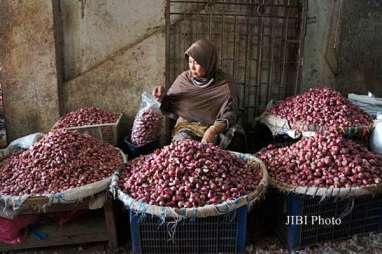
202	104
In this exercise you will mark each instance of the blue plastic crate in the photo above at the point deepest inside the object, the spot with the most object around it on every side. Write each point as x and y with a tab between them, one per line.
217	234
358	215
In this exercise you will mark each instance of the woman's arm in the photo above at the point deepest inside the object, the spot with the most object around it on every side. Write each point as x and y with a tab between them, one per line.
226	118
228	113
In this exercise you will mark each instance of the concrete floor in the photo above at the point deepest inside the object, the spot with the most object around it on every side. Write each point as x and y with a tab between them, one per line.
367	244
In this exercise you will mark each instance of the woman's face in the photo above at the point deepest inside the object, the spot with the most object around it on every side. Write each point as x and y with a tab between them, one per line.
197	70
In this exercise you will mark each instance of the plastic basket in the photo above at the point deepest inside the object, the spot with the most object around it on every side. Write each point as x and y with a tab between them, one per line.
217	234
358	215
107	132
135	151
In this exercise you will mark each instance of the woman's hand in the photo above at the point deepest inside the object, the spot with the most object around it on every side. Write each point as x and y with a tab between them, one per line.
213	131
210	135
158	93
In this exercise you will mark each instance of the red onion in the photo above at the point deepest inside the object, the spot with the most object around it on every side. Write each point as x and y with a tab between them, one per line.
146	127
323	108
86	116
188	174
59	161
325	160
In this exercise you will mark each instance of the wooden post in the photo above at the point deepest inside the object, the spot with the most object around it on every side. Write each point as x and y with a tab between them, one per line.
110	223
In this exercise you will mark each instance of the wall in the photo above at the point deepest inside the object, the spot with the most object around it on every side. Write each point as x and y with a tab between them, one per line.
316	70
360	47
98	29
344	50
117	83
113	51
28	66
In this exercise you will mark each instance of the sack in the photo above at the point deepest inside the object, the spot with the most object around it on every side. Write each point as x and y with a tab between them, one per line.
12	231
148	121
21	143
368	103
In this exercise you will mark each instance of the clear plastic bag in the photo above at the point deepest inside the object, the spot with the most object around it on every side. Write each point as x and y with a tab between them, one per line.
148	122
376	136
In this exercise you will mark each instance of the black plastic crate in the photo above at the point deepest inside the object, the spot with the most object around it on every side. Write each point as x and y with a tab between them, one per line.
217	234
135	151
319	218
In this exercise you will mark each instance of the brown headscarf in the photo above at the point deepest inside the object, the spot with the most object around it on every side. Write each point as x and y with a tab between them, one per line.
205	54
202	104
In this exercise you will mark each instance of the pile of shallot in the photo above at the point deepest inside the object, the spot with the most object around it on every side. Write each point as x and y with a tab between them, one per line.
189	174
146	127
324	160
59	161
86	116
323	108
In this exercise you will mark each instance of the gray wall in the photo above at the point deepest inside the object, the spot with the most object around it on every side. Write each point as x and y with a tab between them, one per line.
344	51
98	29
316	70
113	51
28	66
360	47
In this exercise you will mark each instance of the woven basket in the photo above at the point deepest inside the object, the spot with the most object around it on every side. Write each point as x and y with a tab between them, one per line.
326	192
197	212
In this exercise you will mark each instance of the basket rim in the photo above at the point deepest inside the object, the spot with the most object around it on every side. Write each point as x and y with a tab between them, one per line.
49	199
312	127
248	199
371	189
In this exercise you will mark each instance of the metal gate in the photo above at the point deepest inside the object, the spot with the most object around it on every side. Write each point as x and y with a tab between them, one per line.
259	42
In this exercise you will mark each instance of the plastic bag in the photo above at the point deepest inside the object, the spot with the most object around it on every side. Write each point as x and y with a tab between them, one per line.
376	136
368	103
21	143
147	123
12	231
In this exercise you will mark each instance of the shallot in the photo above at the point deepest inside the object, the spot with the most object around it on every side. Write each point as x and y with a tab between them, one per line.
146	127
59	161
324	160
189	174
323	108
86	116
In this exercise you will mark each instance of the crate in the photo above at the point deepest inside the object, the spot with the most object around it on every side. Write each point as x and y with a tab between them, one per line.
97	226
217	234
107	132
358	215
135	151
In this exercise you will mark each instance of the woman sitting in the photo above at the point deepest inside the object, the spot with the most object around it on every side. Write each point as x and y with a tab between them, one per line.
204	101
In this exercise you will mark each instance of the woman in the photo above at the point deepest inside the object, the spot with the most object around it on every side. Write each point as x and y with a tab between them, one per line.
204	100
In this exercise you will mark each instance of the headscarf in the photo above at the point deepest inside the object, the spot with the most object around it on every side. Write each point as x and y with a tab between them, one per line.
202	104
205	54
